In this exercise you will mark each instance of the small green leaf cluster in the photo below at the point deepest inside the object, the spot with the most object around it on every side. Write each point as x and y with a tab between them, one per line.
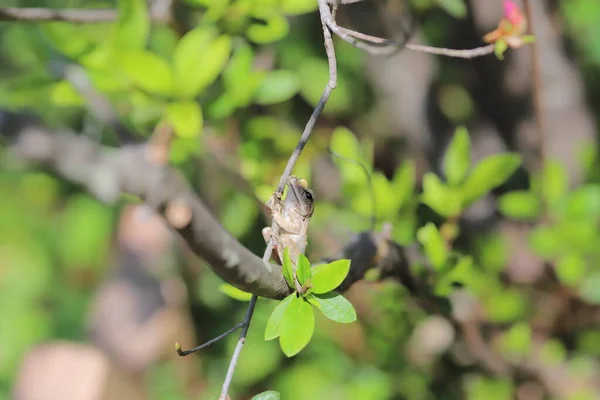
293	320
465	183
570	238
399	208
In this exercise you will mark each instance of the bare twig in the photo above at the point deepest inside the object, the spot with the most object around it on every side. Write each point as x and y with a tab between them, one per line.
183	353
76	16
456	53
331	84
158	12
379	46
537	87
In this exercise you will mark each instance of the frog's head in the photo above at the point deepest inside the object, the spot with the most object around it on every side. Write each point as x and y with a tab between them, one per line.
300	196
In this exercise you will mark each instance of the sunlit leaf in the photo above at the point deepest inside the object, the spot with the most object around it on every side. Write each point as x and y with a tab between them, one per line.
500	48
462	273
241	82
554	182
148	71
327	277
268	395
296	7
199	59
442	199
297	326
288	268
271	29
186	118
234	292
239	214
434	245
403	183
133	24
488	174
457	159
303	269
334	306
456	8
517	341
520	205
277	86
571	268
64	94
274	323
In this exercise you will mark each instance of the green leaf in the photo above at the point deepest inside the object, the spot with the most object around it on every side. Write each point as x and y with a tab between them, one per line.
64	94
297	7
555	182
327	277
527	39
199	59
434	245
520	205
584	203
456	8
272	29
273	327
517	341
457	160
288	268
303	269
570	269
268	395
442	199
241	82
346	144
545	242
461	273
488	174
133	25
234	292
297	326
148	71
186	118
590	288
403	183
504	306
277	86
334	306
500	48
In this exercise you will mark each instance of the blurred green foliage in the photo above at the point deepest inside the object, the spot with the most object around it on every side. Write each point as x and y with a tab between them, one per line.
241	66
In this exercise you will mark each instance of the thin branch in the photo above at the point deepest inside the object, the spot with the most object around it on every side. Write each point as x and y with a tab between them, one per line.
35	14
537	87
183	353
456	53
379	46
240	344
159	11
331	84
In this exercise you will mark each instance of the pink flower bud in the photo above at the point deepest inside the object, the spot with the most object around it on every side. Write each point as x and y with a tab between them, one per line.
513	13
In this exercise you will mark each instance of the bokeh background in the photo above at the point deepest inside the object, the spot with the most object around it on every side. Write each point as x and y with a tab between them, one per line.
95	291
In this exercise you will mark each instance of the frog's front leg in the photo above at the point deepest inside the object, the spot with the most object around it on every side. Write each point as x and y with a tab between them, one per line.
267	233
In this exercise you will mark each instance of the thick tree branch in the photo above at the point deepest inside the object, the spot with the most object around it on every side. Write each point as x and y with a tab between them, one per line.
108	172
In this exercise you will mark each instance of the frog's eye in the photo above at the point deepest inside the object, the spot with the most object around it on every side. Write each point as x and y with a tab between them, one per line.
308	196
